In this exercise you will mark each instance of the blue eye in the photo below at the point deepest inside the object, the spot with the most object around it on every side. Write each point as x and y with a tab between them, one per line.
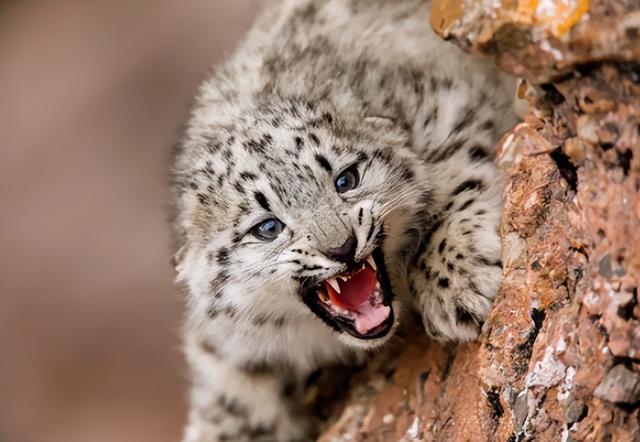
347	180
268	229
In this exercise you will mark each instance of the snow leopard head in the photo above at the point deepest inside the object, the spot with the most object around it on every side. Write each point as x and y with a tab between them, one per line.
288	210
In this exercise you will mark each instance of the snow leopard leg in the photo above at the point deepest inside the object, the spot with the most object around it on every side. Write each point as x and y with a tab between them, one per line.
231	403
454	274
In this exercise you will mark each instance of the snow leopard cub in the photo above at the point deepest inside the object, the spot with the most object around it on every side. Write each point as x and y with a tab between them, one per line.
336	172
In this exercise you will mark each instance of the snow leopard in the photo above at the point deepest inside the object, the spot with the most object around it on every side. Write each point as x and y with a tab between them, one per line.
336	176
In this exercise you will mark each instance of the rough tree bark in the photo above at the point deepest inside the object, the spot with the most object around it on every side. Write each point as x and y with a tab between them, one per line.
559	356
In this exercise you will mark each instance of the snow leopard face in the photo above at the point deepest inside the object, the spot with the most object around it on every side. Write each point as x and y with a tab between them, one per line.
294	213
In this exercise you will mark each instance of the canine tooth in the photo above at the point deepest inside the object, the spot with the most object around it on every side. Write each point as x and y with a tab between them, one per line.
372	263
333	283
344	278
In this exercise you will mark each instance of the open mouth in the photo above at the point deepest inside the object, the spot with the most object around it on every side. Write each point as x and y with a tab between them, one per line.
357	301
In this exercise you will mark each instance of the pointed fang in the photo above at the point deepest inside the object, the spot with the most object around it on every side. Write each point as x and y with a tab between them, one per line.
372	263
333	283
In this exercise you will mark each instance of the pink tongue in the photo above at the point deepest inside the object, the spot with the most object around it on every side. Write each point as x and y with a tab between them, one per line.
369	317
355	294
357	290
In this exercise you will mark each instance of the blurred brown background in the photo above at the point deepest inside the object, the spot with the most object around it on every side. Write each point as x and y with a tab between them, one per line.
91	95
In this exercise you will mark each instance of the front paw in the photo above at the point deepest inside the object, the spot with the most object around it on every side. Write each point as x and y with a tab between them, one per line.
456	280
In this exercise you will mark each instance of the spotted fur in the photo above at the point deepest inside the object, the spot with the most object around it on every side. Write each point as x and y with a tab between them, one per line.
317	87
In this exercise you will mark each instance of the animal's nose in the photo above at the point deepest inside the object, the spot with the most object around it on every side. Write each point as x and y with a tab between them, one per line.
345	253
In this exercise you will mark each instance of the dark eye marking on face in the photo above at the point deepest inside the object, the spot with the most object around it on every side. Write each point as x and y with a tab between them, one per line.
262	200
323	162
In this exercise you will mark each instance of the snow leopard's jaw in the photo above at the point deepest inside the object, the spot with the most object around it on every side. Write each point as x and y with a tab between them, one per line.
270	207
357	302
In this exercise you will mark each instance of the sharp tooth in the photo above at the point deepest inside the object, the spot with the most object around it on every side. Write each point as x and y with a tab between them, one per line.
372	263
344	278
333	283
